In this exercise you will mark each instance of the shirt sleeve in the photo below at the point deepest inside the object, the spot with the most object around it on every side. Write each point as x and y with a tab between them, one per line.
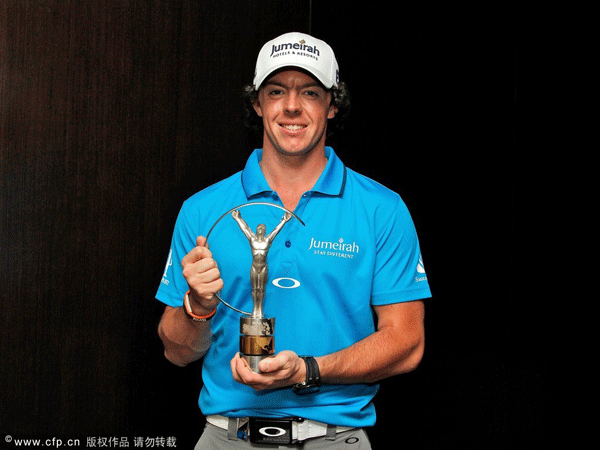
399	274
173	285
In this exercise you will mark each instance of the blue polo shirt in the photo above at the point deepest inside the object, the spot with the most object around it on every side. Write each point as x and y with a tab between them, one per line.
356	249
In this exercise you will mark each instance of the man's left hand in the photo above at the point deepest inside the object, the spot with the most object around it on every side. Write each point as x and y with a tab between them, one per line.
283	369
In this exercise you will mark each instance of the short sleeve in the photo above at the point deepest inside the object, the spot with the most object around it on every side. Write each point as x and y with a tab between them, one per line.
399	274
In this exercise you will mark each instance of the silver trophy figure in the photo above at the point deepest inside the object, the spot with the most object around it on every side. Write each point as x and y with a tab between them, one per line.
257	340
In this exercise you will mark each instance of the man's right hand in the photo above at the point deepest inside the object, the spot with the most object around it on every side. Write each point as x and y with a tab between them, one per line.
203	277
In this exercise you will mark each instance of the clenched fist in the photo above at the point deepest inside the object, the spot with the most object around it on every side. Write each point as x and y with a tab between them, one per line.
203	277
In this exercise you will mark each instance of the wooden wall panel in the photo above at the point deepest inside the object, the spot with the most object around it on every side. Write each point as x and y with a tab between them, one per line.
111	114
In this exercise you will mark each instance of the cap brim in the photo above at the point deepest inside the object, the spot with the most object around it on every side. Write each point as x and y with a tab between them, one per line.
325	81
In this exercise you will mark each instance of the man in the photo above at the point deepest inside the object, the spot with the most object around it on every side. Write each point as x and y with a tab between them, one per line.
346	288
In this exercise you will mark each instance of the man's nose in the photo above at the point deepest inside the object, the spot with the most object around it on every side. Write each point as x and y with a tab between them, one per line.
292	103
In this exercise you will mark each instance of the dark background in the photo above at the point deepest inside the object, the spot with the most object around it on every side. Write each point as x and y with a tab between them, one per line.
114	112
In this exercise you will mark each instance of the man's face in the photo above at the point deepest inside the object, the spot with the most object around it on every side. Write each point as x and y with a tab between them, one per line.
294	108
261	230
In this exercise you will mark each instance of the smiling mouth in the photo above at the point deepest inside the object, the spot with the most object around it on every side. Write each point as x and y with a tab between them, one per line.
292	127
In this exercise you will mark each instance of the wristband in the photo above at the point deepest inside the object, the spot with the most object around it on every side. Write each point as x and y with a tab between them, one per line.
188	310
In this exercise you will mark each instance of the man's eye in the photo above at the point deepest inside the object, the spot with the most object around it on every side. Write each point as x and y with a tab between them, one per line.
275	92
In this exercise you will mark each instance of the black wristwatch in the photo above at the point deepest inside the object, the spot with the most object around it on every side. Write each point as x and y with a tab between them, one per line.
312	383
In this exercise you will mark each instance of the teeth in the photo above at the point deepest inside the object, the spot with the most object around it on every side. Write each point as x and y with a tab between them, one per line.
293	127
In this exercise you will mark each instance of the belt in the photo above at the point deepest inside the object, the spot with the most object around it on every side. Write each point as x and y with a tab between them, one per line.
302	429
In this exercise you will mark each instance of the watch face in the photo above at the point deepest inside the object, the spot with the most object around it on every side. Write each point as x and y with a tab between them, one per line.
306	389
311	389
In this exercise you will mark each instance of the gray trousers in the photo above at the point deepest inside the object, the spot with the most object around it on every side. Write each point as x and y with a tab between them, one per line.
215	438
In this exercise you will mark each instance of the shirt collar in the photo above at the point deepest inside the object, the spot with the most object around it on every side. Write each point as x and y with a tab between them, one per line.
331	182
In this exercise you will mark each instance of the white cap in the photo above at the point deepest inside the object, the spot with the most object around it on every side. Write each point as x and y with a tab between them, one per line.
297	50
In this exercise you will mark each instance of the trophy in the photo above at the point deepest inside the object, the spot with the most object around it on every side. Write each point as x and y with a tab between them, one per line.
257	332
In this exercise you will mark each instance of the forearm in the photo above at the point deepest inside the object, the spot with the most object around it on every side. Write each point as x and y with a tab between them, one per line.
369	360
393	349
185	340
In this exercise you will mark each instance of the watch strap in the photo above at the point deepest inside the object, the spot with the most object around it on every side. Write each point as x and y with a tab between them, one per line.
313	377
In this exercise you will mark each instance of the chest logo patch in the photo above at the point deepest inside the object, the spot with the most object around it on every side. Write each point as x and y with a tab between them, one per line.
286	283
337	249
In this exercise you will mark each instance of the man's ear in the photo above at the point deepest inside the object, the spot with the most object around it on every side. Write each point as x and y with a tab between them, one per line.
257	108
332	112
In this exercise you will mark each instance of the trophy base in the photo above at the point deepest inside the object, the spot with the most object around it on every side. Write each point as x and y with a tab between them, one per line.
256	340
254	360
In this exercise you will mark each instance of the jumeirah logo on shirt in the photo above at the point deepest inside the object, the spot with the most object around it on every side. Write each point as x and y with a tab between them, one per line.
339	248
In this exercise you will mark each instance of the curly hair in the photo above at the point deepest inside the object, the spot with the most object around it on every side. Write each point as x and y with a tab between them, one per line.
340	97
